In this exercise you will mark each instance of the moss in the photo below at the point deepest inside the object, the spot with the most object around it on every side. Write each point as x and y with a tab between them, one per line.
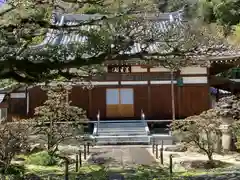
43	169
42	159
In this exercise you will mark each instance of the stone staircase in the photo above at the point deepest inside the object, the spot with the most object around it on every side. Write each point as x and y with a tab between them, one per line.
122	132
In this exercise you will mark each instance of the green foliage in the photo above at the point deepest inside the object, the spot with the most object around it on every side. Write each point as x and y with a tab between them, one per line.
4	83
29	21
92	9
42	159
205	11
13	170
225	12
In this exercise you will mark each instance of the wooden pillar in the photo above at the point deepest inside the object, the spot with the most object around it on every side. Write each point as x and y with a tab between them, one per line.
9	108
179	95
27	101
173	95
90	113
149	92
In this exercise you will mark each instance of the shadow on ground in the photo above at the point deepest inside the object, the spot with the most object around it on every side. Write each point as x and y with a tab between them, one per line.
143	172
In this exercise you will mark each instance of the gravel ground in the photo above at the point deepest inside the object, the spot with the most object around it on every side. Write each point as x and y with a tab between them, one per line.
121	156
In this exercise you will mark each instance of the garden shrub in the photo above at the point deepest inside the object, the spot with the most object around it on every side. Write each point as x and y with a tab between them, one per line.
43	159
13	169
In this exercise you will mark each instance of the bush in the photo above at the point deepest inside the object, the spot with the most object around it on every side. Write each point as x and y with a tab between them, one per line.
42	159
13	170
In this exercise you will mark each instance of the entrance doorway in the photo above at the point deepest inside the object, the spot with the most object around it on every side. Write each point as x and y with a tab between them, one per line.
119	102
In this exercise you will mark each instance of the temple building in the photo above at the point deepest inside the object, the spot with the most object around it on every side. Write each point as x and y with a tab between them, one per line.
129	88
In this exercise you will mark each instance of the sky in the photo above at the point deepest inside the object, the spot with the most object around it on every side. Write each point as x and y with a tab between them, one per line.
2	2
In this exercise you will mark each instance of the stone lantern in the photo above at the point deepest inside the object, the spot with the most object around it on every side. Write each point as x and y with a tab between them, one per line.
225	113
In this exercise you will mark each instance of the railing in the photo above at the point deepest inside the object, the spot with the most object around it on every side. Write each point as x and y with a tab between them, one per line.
98	121
142	115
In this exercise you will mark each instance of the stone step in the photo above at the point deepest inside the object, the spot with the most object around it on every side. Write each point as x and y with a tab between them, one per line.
121	133
109	125
122	139
122	129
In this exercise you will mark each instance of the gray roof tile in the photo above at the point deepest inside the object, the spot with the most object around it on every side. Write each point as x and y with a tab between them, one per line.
161	22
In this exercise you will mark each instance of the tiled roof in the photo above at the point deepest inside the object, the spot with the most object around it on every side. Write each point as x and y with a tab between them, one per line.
161	22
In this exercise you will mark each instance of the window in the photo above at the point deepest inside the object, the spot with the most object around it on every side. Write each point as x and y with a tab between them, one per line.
3	114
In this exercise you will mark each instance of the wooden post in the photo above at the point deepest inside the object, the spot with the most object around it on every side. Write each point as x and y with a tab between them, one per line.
66	169
76	163
88	144
156	151
80	158
85	152
170	164
153	146
161	155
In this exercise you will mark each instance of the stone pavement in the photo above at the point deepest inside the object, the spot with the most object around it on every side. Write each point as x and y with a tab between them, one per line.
121	156
130	156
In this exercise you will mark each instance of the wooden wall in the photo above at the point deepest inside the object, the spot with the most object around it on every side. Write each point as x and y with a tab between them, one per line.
192	100
189	100
140	100
154	100
79	97
161	103
36	98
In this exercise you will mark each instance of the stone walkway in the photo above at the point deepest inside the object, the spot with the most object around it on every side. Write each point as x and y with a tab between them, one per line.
131	156
121	156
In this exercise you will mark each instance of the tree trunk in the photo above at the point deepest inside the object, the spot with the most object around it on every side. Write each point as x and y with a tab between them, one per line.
210	158
211	163
48	142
